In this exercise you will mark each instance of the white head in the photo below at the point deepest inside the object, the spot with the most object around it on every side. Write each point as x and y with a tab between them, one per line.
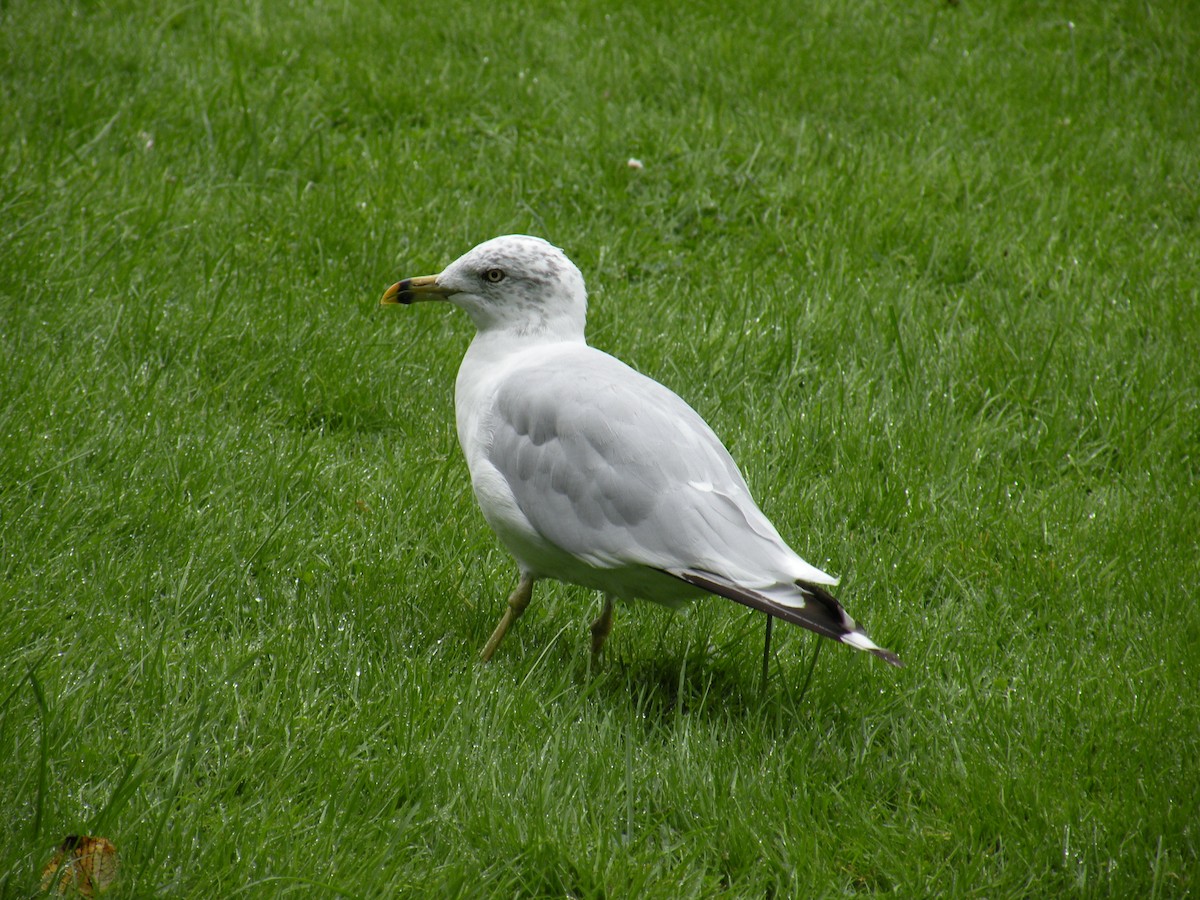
512	283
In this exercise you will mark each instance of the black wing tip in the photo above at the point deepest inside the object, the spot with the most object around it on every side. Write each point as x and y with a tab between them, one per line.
888	657
838	626
823	595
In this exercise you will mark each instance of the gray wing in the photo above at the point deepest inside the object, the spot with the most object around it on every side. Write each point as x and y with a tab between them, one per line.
617	470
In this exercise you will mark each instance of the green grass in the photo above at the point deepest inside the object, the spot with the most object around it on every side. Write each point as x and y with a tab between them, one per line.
931	272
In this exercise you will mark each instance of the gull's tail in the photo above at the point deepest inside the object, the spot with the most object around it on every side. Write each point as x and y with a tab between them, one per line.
815	609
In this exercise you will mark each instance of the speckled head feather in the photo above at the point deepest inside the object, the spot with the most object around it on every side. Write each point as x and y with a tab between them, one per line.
518	283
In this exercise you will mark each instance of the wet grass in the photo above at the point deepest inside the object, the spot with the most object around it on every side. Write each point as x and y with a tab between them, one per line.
932	274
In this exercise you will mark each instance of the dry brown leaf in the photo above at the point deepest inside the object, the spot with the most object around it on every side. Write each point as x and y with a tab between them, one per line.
82	865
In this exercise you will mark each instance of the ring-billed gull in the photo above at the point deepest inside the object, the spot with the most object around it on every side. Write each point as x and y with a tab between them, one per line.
590	472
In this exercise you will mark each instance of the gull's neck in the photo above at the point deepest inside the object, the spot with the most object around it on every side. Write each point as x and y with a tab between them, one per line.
496	349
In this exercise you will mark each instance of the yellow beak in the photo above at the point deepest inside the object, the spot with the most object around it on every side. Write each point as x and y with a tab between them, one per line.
414	290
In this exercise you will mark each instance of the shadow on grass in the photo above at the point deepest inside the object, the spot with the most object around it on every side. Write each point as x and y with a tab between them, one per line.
697	685
680	673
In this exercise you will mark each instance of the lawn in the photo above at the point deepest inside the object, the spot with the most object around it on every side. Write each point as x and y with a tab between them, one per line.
932	271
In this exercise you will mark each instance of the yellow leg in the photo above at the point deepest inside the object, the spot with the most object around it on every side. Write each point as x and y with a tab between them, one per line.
517	601
602	626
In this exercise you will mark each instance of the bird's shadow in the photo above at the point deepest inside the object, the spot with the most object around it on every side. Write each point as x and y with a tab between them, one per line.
694	683
670	668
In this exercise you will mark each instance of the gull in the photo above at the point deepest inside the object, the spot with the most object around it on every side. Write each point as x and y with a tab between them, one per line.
590	472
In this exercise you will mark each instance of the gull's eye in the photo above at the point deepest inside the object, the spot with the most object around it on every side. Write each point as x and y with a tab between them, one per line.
493	276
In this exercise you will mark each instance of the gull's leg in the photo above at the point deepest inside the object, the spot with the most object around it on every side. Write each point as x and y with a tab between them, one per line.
517	601
766	654
602	626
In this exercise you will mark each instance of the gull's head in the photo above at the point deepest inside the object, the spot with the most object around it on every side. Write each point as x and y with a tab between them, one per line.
513	283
